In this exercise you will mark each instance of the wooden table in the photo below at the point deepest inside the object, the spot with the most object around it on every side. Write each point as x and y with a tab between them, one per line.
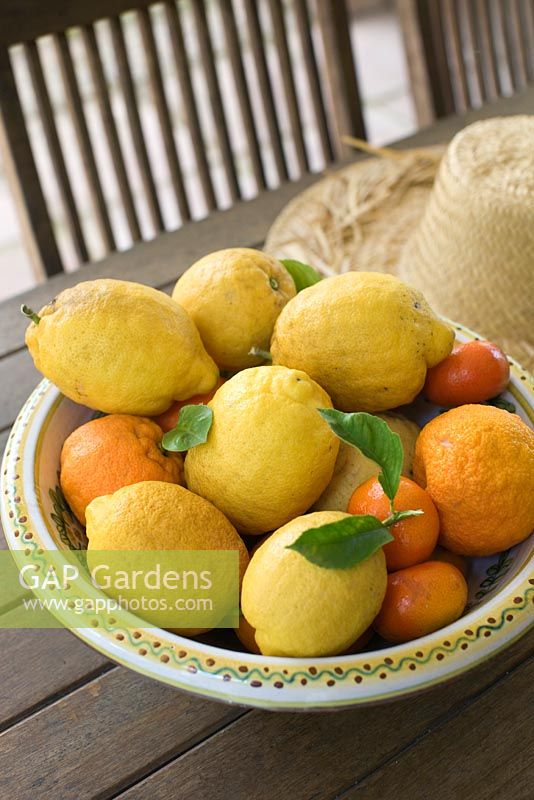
75	725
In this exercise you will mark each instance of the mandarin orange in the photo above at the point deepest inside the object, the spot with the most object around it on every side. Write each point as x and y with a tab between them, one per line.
247	636
477	464
420	600
414	537
105	454
472	373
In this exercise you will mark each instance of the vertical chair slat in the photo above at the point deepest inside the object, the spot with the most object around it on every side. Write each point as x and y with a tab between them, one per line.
422	87
431	27
266	91
500	33
341	69
214	93
455	56
22	172
437	43
483	35
305	33
514	44
110	129
46	114
526	13
76	111
470	28
325	71
134	122
497	35
467	51
164	117
295	121
186	88
238	70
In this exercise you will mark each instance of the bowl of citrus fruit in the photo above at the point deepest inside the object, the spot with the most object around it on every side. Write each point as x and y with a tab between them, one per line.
367	465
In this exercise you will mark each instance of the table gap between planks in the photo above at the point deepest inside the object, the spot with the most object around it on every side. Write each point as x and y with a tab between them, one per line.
75	726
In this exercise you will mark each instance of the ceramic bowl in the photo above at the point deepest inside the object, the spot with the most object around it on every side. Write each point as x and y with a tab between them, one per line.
36	518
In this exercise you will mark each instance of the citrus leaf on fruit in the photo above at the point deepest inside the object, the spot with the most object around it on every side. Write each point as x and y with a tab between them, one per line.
193	426
375	439
342	544
303	275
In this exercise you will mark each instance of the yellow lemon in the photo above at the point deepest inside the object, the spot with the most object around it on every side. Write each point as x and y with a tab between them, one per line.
299	609
234	297
155	515
352	468
120	347
269	454
365	337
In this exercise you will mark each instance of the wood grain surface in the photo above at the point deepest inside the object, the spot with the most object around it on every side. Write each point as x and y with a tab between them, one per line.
320	755
39	666
74	726
466	752
102	736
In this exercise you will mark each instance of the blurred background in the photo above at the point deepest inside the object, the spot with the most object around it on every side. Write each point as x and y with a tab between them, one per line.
383	52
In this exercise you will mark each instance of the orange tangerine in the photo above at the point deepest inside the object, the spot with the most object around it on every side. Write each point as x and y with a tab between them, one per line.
111	452
414	537
420	600
477	464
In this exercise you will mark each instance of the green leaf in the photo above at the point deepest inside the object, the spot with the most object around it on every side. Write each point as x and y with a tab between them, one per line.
374	438
303	275
193	426
342	544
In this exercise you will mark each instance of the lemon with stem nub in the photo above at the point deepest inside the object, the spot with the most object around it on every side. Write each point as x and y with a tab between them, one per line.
119	347
366	338
234	297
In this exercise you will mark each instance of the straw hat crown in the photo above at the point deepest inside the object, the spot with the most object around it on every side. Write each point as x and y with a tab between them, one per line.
472	254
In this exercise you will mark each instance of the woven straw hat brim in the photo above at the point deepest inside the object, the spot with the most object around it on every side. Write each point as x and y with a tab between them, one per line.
367	216
359	217
473	253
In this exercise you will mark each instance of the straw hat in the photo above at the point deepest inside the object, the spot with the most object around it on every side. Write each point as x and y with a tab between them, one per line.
460	228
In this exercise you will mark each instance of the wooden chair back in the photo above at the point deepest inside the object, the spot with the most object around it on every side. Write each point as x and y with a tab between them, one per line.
277	54
463	53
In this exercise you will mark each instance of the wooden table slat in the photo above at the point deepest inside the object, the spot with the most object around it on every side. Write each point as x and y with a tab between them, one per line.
492	734
103	737
37	666
316	755
18	377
